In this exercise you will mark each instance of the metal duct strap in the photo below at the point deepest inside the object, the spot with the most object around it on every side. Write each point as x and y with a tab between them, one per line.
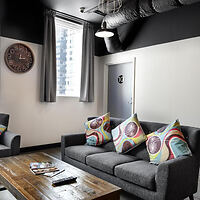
162	6
129	12
145	8
187	2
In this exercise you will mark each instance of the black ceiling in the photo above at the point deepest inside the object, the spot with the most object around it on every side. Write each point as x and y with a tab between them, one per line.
72	7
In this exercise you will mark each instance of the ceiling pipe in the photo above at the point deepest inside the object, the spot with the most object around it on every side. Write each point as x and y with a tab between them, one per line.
135	9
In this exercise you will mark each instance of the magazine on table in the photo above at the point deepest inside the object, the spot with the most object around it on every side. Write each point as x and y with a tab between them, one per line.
42	167
45	168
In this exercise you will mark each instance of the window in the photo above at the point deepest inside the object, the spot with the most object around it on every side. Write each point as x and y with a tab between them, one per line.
68	57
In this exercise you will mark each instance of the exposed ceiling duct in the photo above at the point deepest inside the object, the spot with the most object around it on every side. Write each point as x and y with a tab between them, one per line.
135	9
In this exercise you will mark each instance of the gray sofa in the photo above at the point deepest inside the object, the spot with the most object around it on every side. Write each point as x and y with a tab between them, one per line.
171	180
9	142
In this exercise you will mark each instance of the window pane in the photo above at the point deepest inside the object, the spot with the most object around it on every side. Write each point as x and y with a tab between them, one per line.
68	57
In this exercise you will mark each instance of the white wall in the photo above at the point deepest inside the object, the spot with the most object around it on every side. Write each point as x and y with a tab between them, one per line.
167	81
40	123
167	87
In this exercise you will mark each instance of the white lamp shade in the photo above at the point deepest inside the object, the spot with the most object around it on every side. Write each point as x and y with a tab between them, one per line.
104	33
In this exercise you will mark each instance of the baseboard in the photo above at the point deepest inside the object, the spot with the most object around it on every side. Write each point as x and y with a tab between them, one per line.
39	147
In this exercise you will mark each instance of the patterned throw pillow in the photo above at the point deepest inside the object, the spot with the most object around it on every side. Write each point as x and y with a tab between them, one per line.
167	143
2	129
98	130
128	135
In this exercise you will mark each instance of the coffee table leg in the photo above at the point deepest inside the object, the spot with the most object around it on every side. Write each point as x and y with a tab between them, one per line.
116	196
2	187
111	196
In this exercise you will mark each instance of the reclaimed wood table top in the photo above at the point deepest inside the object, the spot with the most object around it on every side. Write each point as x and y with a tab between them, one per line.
16	176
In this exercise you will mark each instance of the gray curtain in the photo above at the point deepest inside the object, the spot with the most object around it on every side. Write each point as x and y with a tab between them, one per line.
87	73
48	69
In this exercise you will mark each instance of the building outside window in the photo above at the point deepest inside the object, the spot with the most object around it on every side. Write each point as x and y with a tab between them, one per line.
68	57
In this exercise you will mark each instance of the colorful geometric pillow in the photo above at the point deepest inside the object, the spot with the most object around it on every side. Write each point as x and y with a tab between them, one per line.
2	129
167	143
98	130
128	135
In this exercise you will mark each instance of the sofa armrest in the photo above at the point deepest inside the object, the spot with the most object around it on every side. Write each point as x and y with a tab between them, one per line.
11	140
71	140
177	178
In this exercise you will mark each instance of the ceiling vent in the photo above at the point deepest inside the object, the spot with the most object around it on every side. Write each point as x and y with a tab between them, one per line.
109	6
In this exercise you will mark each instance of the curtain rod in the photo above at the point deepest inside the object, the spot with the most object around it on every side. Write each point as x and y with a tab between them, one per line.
69	17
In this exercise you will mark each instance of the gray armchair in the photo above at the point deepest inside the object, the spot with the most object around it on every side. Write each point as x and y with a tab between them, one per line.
9	142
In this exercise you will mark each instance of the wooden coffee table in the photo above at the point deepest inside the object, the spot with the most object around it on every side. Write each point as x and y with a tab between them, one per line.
16	176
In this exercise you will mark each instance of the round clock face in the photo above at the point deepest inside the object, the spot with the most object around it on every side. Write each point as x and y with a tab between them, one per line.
19	58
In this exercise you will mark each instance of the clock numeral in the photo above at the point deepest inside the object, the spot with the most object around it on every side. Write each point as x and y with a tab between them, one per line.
10	61
12	51
25	50
15	48
20	48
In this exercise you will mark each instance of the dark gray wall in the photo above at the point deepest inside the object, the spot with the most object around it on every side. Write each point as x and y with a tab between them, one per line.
171	26
22	19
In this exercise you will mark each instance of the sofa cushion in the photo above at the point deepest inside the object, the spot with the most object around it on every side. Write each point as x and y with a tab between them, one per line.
149	127
107	161
139	172
140	152
109	146
4	151
79	152
128	135
4	118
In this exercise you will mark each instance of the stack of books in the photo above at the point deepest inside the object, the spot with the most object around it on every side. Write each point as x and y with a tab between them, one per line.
39	168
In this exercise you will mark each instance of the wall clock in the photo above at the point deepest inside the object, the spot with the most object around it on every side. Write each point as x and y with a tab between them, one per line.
19	58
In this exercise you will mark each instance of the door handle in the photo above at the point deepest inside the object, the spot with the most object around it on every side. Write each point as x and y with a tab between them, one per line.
131	101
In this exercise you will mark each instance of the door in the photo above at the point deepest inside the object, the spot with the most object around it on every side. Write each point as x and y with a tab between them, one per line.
120	90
